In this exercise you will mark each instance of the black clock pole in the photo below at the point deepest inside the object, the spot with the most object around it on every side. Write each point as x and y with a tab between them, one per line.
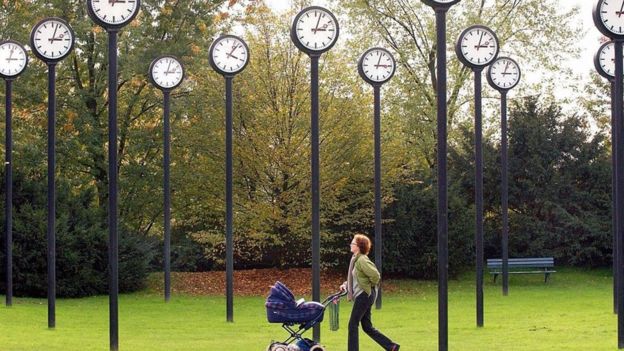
113	243
619	187
442	181
167	194
51	233
228	200
378	239
614	139
8	164
504	193
614	206
479	193
316	198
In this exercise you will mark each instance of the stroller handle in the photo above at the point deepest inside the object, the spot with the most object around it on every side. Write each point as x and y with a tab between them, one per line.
335	296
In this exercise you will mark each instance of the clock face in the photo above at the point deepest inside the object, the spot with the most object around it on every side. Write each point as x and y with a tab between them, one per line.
52	39
608	16
315	29
605	60
504	74
477	46
229	54
166	72
377	66
113	13
13	59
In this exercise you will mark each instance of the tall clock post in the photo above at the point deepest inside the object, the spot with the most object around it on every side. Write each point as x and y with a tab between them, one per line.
604	62
113	15
52	40
608	19
376	67
315	31
166	73
229	55
13	62
441	8
476	48
503	75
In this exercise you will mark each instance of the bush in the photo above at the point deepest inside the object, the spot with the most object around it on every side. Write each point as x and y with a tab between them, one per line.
81	243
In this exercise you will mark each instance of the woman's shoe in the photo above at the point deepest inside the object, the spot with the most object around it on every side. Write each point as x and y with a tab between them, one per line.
395	347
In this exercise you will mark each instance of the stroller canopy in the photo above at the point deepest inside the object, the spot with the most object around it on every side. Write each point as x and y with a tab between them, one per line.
282	307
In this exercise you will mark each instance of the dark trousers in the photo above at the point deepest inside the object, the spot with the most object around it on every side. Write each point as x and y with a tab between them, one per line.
362	313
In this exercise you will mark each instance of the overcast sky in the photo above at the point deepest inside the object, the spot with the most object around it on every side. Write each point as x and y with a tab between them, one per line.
589	43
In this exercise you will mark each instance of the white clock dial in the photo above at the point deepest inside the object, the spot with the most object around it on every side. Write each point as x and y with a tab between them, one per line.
52	39
606	60
229	54
13	59
477	46
377	65
316	29
611	14
504	73
114	12
167	72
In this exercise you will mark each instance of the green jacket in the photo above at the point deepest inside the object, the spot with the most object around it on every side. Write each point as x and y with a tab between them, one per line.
366	273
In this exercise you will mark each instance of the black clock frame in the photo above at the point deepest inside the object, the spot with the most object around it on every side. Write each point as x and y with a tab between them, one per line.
214	64
437	5
460	55
4	76
151	75
108	26
600	25
361	68
599	69
34	46
299	44
489	76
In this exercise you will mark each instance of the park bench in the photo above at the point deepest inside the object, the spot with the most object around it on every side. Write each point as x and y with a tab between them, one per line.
540	265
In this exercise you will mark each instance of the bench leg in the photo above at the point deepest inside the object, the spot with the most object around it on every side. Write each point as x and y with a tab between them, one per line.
495	275
546	276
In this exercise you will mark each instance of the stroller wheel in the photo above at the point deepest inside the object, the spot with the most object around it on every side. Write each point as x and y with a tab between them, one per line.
317	348
277	346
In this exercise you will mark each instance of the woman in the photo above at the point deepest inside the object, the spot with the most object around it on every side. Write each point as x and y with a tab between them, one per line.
361	286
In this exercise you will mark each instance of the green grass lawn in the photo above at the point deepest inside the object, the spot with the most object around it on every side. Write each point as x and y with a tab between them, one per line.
572	312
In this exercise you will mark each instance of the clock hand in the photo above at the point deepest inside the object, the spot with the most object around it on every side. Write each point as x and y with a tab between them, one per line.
315	30
378	62
168	67
480	39
621	10
506	67
54	34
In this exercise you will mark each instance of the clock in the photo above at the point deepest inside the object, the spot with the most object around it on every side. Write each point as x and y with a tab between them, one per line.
113	14
504	74
377	66
609	19
314	30
229	55
13	59
604	60
477	46
52	39
166	72
440	3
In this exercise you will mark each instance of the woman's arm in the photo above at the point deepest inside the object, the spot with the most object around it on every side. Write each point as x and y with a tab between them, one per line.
370	270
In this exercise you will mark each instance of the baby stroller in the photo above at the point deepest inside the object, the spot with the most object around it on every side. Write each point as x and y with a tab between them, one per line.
282	308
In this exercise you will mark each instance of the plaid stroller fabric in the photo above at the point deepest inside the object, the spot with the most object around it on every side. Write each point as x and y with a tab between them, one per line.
282	307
